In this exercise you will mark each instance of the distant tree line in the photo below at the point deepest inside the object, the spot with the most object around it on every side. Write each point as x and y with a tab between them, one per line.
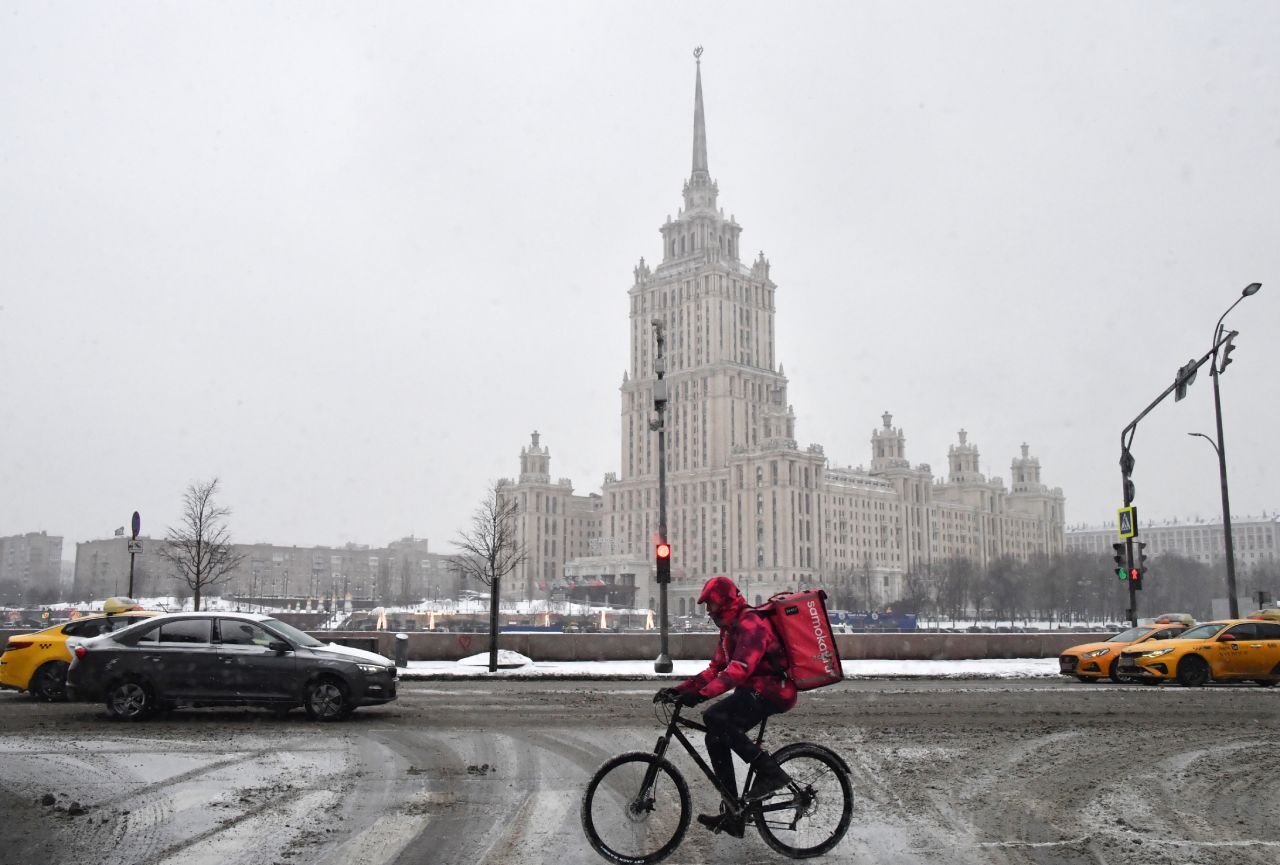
1070	587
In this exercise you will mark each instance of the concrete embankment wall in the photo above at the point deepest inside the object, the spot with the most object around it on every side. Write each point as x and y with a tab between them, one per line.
699	647
920	646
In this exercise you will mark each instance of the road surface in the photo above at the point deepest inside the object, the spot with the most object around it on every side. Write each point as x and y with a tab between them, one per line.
945	772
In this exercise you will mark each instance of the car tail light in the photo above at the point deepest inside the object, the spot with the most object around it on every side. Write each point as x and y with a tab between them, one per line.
17	644
81	651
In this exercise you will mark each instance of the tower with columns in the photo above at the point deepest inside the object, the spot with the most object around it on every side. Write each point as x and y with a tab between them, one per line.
744	498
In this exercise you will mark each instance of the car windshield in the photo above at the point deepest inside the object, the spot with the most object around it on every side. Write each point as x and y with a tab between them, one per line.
1128	636
289	632
1201	632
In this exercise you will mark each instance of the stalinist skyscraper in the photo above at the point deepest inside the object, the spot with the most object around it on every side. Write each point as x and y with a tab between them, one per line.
743	499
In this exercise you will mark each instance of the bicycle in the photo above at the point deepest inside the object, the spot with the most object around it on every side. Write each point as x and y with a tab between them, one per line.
636	807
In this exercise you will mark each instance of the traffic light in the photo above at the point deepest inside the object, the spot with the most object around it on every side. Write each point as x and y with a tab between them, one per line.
1126	469
1121	571
1228	346
663	555
1186	375
1140	566
1135	578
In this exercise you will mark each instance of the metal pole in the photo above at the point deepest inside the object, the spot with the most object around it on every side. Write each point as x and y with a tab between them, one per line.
1233	606
494	590
131	554
663	662
1249	290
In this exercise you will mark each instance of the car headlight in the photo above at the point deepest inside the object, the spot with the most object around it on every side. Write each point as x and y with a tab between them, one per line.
1096	652
1157	653
371	669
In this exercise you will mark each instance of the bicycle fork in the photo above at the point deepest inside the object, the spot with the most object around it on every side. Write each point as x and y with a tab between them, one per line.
643	801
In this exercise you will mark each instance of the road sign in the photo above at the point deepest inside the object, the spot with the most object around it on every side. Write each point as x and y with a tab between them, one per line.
1128	522
137	524
135	546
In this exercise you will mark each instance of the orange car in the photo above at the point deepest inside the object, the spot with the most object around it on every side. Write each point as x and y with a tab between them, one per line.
1229	650
1089	662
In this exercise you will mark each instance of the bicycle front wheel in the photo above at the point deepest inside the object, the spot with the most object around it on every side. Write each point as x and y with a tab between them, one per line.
811	814
636	809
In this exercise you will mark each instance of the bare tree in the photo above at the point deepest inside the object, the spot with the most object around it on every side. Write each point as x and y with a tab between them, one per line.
490	551
919	587
199	548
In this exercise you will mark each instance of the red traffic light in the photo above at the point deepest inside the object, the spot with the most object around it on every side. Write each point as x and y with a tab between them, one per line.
664	551
1133	574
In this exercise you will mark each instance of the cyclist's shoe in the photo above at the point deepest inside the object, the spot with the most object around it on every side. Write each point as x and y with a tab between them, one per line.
724	822
769	777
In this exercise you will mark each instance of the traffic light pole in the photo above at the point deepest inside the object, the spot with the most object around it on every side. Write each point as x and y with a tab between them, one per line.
1233	605
663	662
1180	382
1133	584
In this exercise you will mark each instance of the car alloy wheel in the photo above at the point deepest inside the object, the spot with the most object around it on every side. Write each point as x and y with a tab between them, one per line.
327	700
50	682
1192	671
129	701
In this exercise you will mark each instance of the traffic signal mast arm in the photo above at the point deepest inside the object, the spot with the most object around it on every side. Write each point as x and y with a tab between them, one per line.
1185	373
1180	382
1124	558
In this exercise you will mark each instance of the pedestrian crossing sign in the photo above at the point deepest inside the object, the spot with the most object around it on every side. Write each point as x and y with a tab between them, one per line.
1128	522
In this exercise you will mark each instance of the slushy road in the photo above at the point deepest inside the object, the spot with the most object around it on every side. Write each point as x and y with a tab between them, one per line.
491	773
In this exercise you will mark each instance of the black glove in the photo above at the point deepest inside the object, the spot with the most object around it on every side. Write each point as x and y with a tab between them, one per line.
692	698
665	695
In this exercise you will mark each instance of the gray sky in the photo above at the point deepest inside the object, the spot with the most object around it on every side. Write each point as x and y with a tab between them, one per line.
348	256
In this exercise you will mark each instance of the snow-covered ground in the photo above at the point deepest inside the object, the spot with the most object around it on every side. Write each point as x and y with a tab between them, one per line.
513	664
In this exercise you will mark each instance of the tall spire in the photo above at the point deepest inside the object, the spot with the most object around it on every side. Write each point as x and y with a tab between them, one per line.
699	125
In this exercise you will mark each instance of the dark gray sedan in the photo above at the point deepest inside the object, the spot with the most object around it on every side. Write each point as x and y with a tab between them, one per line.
225	659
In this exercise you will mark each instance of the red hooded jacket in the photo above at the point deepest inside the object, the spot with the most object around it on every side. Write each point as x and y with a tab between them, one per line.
749	654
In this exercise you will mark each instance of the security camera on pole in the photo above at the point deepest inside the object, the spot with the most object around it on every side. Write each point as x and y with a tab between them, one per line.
662	551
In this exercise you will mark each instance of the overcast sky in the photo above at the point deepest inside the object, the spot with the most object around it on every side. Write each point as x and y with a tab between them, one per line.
347	256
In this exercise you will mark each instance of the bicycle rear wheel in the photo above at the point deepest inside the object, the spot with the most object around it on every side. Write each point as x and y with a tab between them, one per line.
636	809
810	815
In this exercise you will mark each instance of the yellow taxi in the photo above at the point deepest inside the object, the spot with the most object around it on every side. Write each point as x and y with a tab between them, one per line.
38	662
1090	662
1231	650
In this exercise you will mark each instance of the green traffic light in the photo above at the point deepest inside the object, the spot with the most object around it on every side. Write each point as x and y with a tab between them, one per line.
1122	573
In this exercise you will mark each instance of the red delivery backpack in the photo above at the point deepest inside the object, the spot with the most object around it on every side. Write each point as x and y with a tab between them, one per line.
800	621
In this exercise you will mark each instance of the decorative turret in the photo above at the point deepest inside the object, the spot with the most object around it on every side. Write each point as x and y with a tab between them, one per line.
1026	472
964	461
888	446
535	463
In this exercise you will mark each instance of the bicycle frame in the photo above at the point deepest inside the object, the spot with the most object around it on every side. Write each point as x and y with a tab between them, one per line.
737	806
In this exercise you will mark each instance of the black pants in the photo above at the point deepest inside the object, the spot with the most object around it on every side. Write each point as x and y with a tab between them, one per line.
727	724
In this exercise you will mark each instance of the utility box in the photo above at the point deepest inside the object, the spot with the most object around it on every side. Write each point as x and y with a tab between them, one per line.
402	650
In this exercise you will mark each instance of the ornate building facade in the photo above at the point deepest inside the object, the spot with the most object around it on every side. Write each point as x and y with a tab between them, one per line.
743	497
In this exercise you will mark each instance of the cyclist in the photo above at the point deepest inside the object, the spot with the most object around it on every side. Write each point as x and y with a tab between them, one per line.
750	660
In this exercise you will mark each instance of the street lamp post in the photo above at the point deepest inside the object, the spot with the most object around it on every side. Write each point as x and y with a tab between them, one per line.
662	664
1221	448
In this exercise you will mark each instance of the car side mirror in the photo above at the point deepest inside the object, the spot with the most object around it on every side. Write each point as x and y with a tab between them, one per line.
279	646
